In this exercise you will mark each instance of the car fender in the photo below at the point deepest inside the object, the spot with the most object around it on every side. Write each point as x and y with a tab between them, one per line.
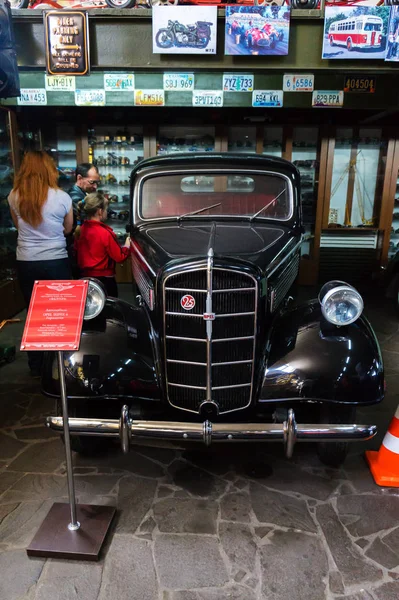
116	357
308	358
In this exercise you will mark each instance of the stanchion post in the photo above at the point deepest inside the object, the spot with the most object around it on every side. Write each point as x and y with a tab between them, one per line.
74	524
74	531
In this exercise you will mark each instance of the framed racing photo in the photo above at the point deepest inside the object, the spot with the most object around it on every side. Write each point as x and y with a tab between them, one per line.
184	29
257	30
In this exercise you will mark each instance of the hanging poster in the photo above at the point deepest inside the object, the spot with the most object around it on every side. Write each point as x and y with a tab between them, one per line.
257	30
392	53
355	32
184	29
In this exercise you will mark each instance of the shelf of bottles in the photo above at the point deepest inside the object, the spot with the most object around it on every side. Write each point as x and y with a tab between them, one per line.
304	157
172	140
62	147
8	233
115	152
394	238
242	139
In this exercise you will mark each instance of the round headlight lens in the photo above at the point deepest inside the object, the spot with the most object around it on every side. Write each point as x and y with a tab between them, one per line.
340	303
95	300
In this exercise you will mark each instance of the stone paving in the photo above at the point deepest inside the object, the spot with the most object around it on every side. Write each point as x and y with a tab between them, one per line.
197	526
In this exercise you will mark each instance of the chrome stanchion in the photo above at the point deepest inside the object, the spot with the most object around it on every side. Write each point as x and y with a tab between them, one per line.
74	524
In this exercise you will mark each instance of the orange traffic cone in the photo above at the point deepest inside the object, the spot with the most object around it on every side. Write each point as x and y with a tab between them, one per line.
384	464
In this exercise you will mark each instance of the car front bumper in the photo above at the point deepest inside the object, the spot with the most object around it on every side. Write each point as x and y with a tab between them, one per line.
289	432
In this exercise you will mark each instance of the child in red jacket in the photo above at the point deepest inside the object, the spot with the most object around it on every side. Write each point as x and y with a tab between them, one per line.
97	248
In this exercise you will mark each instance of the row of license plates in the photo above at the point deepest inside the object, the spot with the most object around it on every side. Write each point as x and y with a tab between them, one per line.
260	98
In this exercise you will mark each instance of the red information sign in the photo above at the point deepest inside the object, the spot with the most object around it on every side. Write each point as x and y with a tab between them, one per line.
55	315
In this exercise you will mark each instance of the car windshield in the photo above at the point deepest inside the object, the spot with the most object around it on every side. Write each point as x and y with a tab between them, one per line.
240	194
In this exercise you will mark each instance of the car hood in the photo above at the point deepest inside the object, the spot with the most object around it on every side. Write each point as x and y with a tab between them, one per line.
253	242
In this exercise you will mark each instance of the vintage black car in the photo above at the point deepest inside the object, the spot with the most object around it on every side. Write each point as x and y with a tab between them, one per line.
214	350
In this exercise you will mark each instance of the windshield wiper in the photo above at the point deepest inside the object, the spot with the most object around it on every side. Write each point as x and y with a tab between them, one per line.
196	212
266	205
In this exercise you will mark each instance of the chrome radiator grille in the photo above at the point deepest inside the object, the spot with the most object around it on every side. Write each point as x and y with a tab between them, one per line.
210	354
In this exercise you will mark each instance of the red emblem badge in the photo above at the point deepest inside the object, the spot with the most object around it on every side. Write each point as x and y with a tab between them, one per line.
187	302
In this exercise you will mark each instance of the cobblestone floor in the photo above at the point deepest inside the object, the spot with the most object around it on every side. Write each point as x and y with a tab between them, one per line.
197	526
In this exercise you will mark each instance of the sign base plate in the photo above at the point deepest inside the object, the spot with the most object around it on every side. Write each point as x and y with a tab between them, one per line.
55	540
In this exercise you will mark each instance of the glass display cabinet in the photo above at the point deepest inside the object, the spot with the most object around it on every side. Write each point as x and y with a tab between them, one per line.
358	170
356	175
393	247
241	139
305	156
114	152
185	139
11	298
61	145
273	141
8	233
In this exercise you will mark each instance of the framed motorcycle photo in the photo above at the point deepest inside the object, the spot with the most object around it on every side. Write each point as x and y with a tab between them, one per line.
184	29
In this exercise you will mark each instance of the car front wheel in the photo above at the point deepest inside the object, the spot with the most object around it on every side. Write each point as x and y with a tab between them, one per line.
333	454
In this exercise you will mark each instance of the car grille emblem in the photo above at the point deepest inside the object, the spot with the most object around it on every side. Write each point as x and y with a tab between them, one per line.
187	302
209	316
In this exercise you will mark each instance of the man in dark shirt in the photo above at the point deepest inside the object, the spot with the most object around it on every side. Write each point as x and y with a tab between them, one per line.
87	180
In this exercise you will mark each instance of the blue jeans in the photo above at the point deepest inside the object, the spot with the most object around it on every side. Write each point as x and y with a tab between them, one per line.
28	272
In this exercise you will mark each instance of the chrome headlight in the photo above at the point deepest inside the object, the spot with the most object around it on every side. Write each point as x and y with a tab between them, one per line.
95	300
340	303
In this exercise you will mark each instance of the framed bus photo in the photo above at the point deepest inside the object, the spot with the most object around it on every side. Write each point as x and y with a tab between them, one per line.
355	33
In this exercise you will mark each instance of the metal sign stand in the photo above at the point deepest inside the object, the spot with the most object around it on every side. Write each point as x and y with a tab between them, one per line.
71	531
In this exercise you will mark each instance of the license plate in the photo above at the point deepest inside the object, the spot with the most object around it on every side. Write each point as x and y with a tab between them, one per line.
63	83
321	99
205	98
178	82
149	98
32	97
238	83
359	84
269	98
90	97
118	82
298	83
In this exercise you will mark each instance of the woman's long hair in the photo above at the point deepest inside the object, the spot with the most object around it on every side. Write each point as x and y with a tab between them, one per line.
36	175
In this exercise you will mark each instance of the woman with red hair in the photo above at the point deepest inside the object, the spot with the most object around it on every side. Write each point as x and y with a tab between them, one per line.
43	215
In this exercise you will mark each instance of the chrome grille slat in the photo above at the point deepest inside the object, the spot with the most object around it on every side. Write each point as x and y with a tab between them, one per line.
191	387
186	362
176	337
183	314
185	290
232	366
231	362
228	387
